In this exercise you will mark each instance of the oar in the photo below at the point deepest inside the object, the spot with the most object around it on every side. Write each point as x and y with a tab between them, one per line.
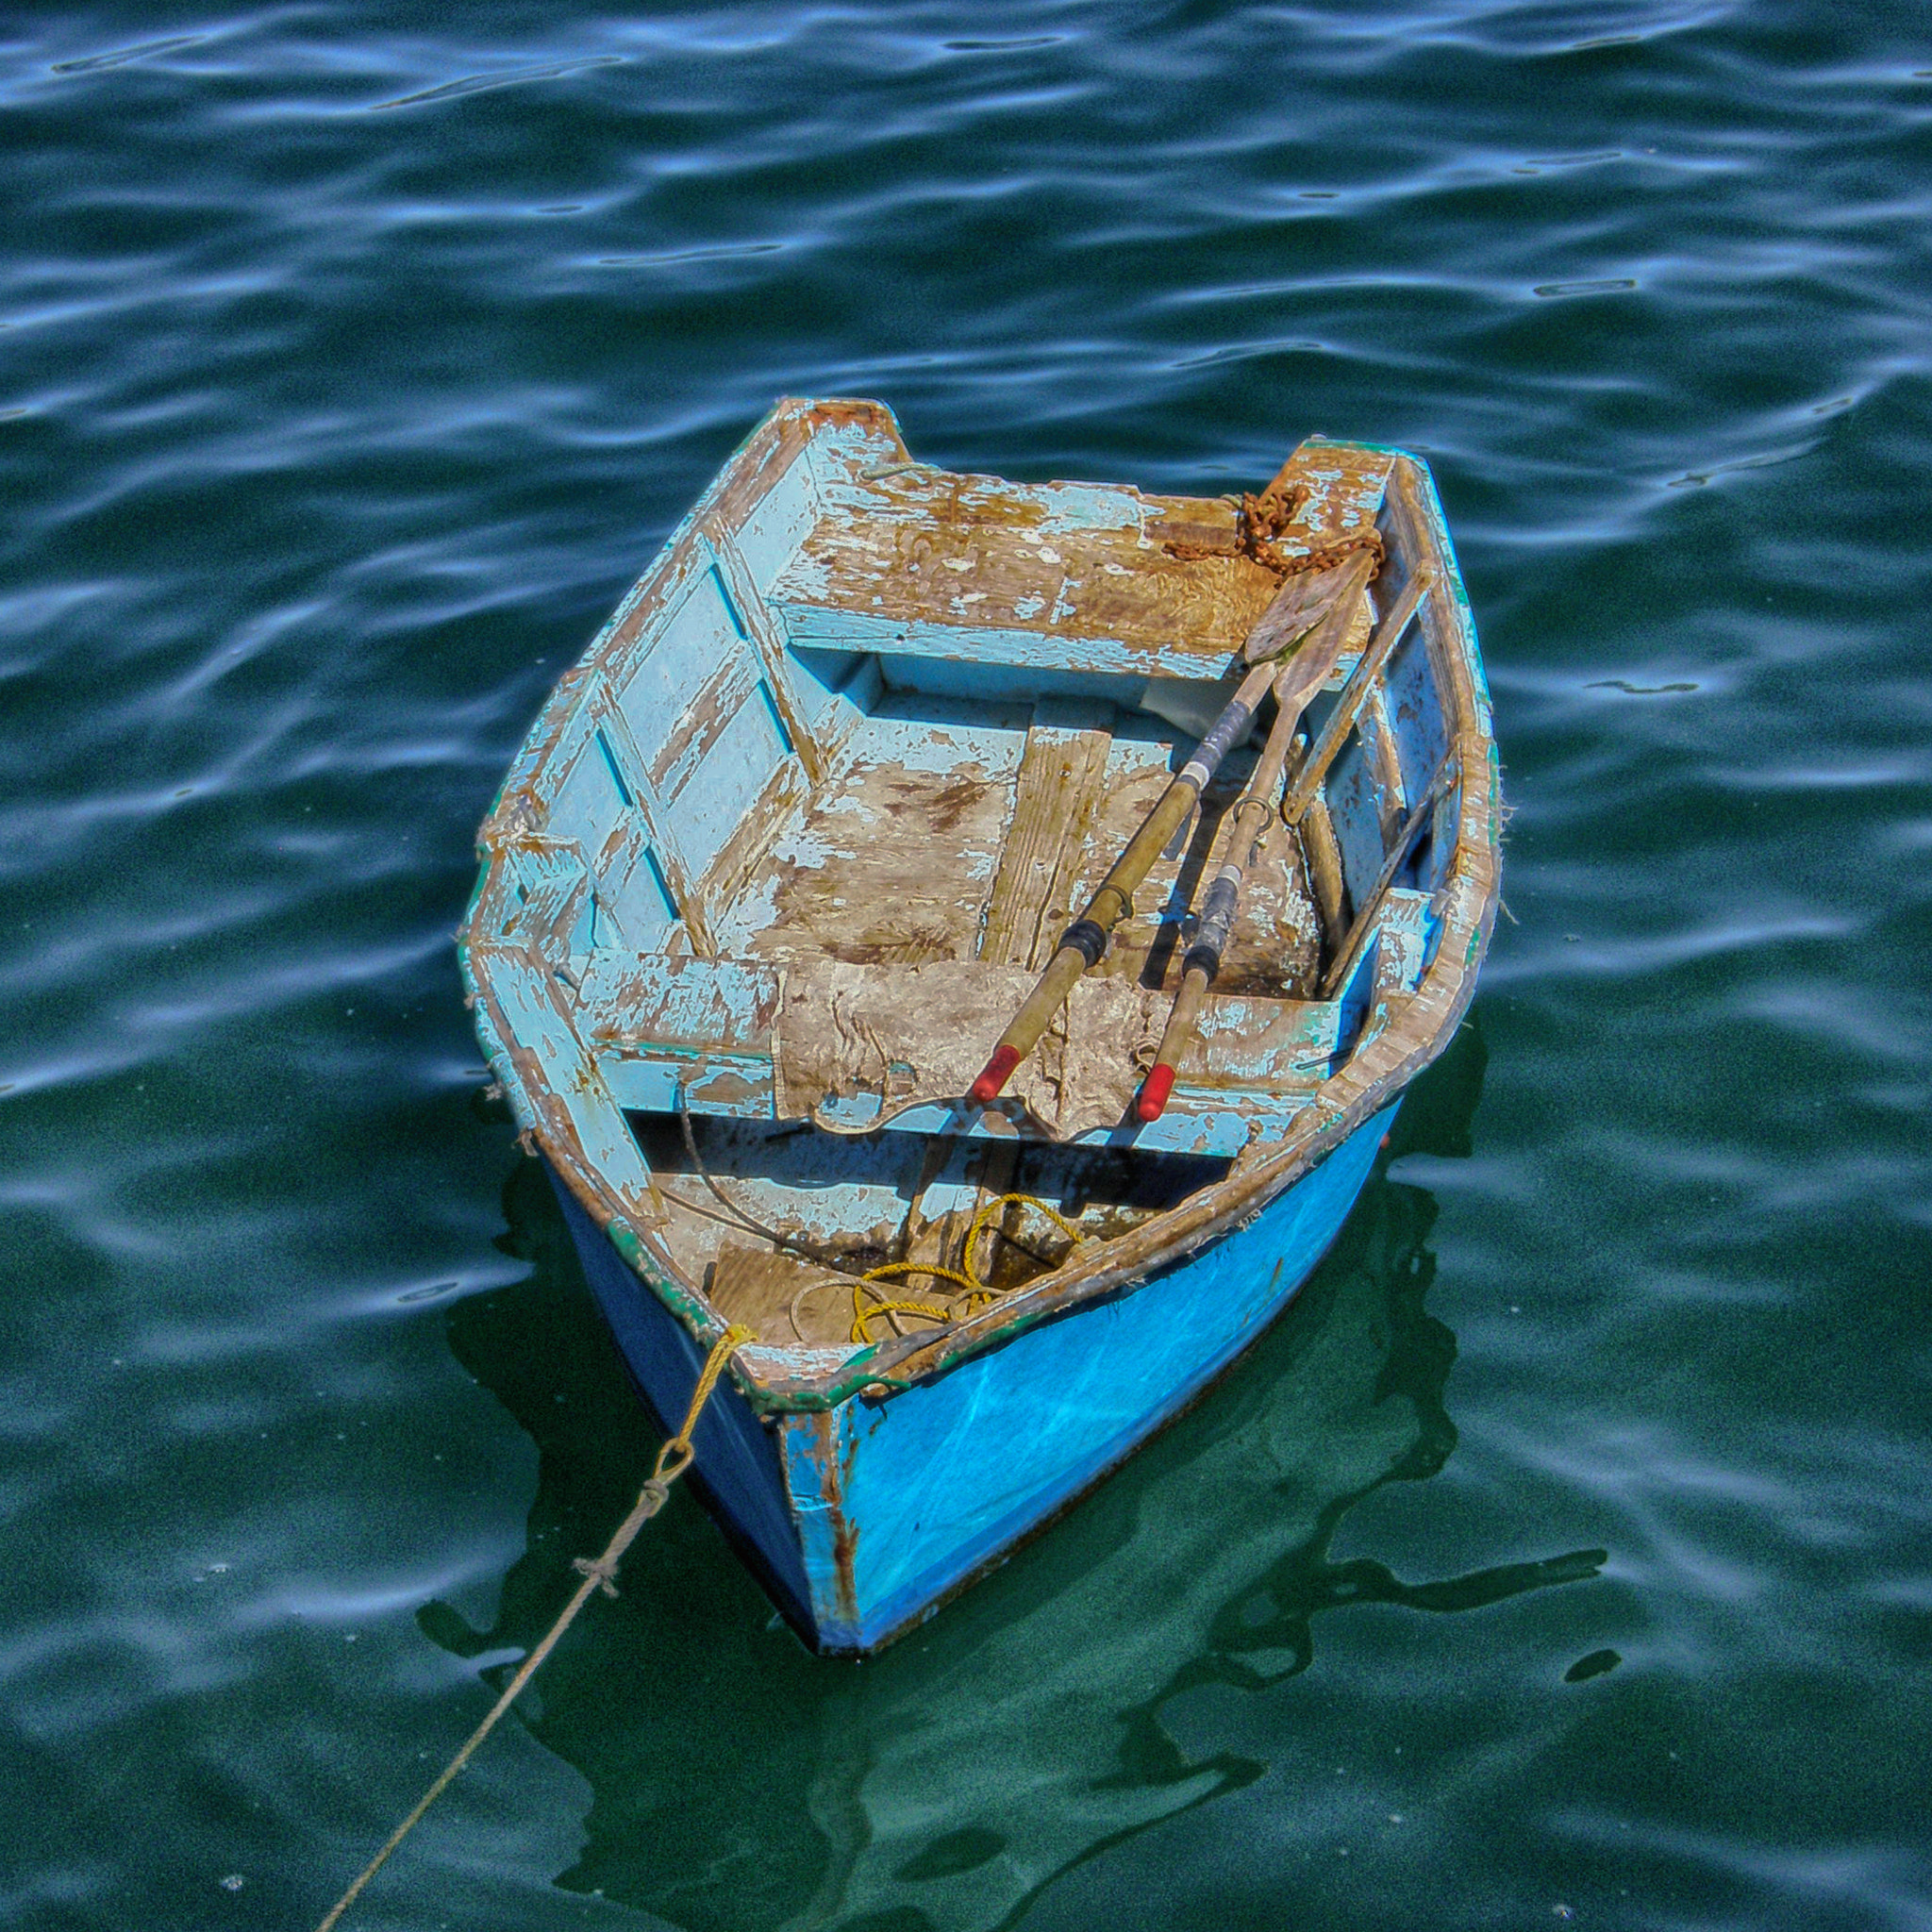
1397	855
1314	768
1084	941
1304	675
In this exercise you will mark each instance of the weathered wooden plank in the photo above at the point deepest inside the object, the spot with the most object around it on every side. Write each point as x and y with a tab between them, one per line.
912	551
1378	734
1097	584
666	847
1061	782
781	1296
767	640
1394	859
1322	852
894	862
906	553
1198	1121
768	815
1153	652
663	1080
557	1075
704	1030
1346	483
698	726
726	1005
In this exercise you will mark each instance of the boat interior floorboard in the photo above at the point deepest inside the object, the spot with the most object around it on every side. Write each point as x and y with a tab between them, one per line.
882	1198
946	831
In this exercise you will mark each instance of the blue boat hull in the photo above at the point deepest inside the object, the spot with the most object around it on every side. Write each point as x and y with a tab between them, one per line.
861	1519
783	857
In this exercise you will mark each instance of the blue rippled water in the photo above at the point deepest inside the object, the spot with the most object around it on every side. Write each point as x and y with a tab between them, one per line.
1565	1554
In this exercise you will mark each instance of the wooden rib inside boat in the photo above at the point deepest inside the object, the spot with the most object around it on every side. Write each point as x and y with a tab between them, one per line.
789	848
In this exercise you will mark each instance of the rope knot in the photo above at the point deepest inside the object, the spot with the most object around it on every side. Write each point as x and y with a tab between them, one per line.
602	1568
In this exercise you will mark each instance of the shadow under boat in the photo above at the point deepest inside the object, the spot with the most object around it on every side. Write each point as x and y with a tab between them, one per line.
739	1781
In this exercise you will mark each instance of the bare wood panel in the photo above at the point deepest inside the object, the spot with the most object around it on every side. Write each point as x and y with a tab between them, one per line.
1322	853
921	547
1114	584
941	1239
782	1298
891	864
1060	782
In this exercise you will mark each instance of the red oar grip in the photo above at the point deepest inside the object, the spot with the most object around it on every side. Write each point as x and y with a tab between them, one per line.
1154	1091
994	1076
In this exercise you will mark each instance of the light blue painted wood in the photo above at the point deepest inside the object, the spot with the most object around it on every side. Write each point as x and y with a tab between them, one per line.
689	645
1354	801
1197	1121
830	627
769	537
1413	711
741	760
641	910
588	804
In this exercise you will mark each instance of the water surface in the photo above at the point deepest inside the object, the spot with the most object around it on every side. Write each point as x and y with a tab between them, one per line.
1564	1554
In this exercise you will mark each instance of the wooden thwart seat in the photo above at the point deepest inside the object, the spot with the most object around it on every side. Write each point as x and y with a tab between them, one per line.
855	1049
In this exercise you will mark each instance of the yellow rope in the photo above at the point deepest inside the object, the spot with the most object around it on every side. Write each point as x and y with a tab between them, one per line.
861	1328
862	1316
722	1351
985	1216
977	1293
888	1270
673	1460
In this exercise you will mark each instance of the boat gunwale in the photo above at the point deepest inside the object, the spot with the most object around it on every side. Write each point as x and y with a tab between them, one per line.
1416	1027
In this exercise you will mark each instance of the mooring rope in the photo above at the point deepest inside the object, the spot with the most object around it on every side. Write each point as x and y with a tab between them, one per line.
598	1574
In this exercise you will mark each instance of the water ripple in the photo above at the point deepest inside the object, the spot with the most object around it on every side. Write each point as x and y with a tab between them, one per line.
353	362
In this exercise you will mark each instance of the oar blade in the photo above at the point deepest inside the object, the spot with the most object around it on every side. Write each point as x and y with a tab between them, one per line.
1299	605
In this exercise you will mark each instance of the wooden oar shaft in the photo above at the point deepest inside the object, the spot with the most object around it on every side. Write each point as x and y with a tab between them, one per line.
1202	964
1314	768
1158	1084
1086	939
1305	673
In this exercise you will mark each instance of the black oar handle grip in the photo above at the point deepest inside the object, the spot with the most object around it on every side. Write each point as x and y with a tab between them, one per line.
1087	938
1218	910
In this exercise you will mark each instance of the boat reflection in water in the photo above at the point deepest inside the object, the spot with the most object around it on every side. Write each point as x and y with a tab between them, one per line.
738	1781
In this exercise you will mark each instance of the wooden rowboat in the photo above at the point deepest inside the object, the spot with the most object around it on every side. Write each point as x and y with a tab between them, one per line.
792	846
